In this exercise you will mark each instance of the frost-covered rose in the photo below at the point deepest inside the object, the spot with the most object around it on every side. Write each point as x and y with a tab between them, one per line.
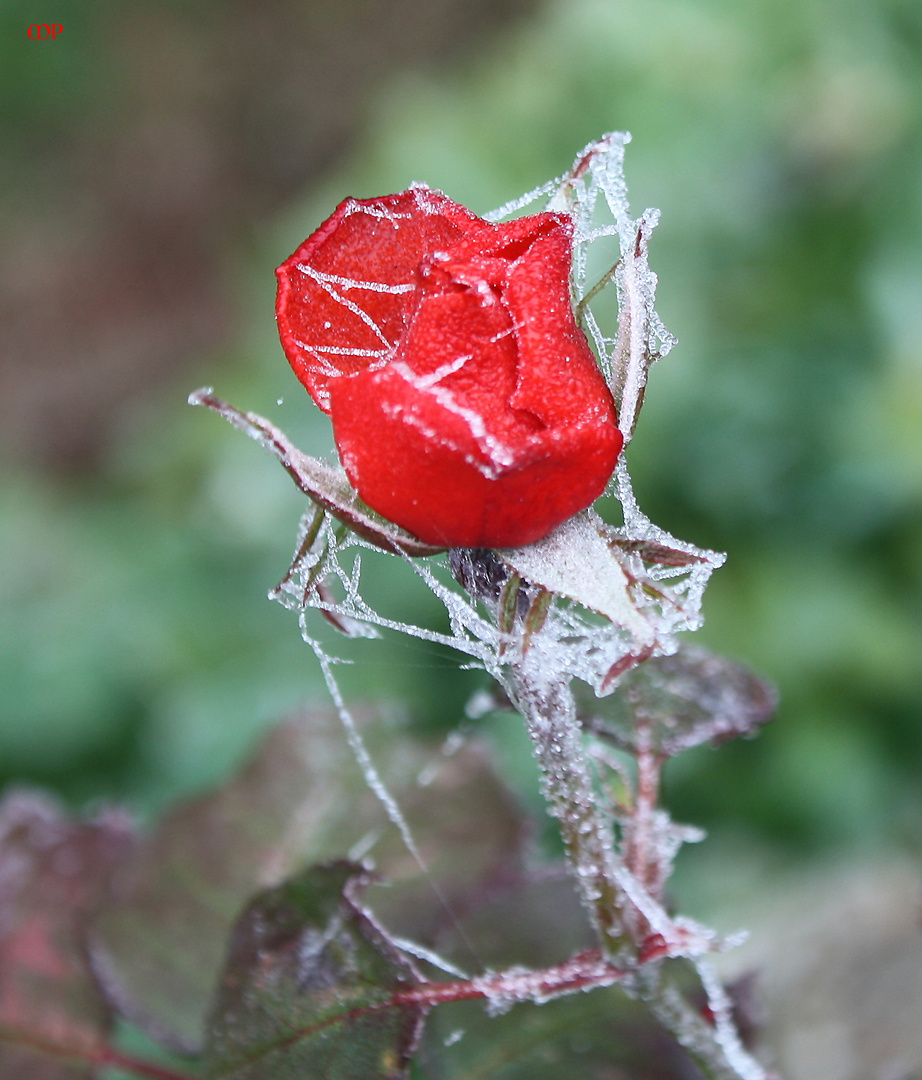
467	406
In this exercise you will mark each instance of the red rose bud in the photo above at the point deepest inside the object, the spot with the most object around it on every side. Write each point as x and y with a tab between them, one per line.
467	406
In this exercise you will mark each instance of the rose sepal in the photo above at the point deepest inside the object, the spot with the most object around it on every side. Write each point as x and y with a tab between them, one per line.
326	485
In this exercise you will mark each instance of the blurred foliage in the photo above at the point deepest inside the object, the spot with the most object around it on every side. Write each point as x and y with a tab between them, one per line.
783	143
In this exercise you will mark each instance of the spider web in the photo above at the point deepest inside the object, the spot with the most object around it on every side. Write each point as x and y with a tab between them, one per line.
618	595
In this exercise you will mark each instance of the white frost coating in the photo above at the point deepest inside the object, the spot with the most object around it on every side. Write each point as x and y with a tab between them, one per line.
422	953
442	372
597	177
515	205
575	561
727	1035
520	984
353	283
362	757
327	284
690	577
335	350
383	214
328	557
497	455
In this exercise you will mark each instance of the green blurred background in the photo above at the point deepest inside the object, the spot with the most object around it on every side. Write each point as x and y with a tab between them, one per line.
162	158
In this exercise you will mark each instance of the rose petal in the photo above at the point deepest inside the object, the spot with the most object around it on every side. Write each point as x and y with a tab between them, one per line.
467	405
438	476
343	294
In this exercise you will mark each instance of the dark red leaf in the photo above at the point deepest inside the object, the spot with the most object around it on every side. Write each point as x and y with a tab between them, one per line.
159	945
309	987
53	872
671	703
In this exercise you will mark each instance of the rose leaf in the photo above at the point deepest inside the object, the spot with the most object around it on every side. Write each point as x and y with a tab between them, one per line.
311	988
53	871
672	703
158	946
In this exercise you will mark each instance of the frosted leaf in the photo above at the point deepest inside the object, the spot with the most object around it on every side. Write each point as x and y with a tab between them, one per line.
575	561
672	703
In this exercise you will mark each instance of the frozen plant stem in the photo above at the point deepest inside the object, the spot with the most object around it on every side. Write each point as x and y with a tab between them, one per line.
549	711
638	832
584	601
714	1047
547	706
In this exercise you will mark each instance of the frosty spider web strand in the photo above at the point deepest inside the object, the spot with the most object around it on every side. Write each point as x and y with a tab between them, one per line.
515	205
471	633
641	338
362	756
321	277
377	786
326	282
606	886
433	958
702	562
